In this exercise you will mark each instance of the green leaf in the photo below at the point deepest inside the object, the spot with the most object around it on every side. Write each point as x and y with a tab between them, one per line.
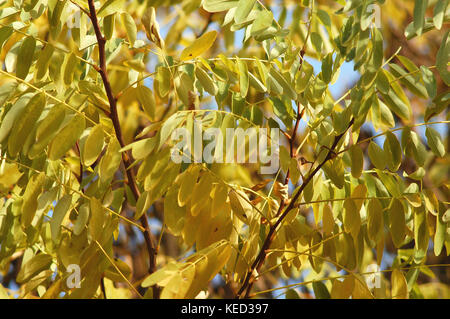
443	57
397	222
108	26
435	141
237	104
377	156
357	161
292	294
441	228
397	105
420	7
93	145
199	46
393	152
243	10
25	124
262	22
66	138
420	234
206	81
5	33
320	290
429	80
327	68
378	52
243	77
335	172
375	224
283	82
411	82
352	218
25	57
439	13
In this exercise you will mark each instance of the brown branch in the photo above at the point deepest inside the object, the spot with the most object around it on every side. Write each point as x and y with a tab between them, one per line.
126	156
102	286
259	261
80	177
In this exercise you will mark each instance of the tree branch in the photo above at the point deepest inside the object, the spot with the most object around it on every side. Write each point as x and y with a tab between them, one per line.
259	261
126	156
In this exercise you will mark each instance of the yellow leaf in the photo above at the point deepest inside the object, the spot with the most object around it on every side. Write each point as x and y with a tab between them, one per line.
328	220
352	218
399	286
375	224
199	46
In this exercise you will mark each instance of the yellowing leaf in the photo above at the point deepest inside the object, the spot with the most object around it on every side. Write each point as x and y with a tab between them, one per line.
110	161
69	67
375	224
187	183
240	205
110	7
320	290
243	77
243	10
328	220
219	5
60	211
392	151
25	124
130	26
97	219
377	156
29	205
93	145
66	138
352	218
174	215
33	267
83	216
399	285
397	223
206	81
435	141
199	46
147	100
25	57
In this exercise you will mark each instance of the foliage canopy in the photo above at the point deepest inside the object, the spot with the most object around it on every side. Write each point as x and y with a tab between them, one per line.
91	92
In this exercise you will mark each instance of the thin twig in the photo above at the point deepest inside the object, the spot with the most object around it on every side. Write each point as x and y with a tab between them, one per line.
126	156
248	282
